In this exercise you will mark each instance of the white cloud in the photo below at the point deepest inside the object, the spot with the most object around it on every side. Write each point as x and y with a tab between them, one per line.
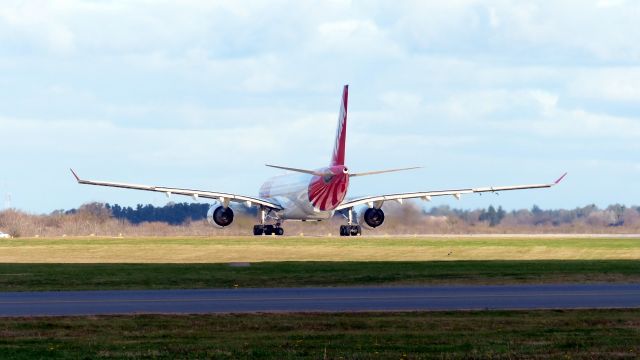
39	23
494	19
164	85
610	3
213	146
546	101
501	105
352	36
580	123
600	28
573	25
401	101
612	84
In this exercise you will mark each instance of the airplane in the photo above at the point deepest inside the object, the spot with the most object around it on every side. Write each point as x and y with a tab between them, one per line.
312	195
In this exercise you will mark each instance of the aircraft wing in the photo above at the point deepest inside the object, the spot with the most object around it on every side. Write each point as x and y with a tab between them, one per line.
195	194
377	201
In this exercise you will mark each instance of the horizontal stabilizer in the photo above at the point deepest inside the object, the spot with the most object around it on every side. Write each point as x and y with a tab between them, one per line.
383	171
310	172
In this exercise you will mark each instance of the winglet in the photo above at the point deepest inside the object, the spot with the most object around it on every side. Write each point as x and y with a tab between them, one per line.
75	175
560	179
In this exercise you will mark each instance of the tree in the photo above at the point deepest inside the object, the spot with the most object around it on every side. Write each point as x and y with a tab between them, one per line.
492	216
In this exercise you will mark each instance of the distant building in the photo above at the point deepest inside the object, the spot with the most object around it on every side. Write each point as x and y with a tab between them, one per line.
4	236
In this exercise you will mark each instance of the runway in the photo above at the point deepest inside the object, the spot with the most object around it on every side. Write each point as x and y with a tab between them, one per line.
340	299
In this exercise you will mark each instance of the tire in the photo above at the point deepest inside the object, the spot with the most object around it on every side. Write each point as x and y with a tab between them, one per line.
258	230
279	231
343	231
269	230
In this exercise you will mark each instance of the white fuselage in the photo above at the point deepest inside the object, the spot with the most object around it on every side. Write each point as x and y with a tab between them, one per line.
296	193
291	191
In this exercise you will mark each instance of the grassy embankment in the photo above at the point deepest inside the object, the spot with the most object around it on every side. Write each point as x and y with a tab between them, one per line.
532	334
154	263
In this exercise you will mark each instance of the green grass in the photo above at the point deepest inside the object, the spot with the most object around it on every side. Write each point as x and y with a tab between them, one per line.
506	334
378	241
30	277
262	249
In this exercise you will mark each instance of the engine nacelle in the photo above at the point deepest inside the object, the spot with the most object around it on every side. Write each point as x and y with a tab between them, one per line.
220	217
372	218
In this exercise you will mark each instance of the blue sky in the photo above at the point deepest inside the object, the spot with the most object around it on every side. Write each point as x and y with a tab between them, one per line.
201	94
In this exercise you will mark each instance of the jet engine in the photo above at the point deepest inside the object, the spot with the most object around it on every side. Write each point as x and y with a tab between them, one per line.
372	217
219	216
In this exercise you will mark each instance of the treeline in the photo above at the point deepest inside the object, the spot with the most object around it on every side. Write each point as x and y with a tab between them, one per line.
172	214
184	213
185	219
613	216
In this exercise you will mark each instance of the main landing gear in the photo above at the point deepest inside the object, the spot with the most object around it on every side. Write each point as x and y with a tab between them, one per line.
268	230
350	230
263	229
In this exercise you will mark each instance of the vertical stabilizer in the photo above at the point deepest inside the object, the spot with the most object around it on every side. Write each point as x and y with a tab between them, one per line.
341	133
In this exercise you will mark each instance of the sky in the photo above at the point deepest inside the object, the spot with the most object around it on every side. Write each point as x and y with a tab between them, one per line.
201	94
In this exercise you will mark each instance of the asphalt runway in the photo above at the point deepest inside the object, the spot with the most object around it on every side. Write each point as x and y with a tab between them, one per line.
341	299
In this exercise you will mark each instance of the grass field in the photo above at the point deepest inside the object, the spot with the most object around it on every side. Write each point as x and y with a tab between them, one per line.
260	249
35	277
155	263
579	334
162	263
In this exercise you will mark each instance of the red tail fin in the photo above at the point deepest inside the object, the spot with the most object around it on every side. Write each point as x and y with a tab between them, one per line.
341	133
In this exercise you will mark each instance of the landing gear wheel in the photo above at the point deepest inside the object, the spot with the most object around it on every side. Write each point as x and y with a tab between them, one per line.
269	229
350	230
